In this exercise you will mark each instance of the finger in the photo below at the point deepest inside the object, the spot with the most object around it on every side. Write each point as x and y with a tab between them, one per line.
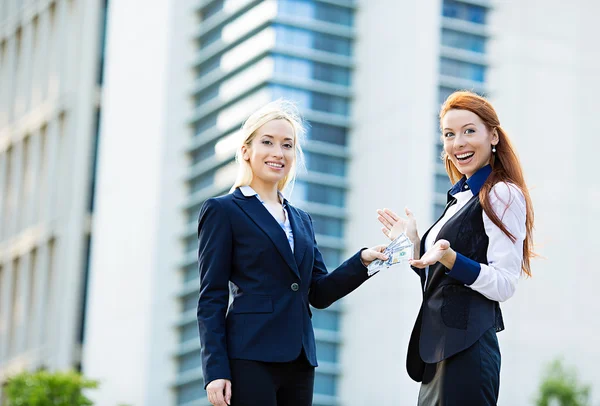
220	399
228	392
210	397
386	232
385	221
390	216
417	263
390	213
408	212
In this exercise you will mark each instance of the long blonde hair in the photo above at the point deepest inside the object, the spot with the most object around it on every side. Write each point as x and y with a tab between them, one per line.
280	109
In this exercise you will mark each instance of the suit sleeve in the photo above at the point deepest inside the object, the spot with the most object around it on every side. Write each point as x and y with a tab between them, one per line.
326	288
215	239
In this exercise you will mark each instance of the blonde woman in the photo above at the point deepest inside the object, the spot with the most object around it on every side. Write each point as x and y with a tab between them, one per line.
261	351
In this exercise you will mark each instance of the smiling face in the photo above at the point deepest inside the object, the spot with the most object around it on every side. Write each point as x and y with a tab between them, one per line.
271	153
467	141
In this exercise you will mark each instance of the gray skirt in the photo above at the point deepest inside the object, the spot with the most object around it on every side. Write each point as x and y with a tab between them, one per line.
469	378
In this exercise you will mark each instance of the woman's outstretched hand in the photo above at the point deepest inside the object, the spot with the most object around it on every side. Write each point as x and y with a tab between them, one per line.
394	225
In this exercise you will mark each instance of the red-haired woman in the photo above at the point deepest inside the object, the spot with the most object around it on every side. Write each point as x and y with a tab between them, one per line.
473	256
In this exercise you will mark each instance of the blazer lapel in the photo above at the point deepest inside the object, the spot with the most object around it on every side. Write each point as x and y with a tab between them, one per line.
263	219
300	233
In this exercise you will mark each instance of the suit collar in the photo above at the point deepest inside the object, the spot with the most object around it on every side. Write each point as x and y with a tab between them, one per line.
474	183
259	214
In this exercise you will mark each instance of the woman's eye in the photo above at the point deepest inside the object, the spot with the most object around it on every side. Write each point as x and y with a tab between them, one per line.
288	145
448	135
266	142
469	131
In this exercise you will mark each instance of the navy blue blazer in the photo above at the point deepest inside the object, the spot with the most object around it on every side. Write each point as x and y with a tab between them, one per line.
243	247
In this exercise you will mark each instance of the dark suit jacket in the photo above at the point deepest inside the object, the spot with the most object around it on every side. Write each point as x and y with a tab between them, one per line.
242	245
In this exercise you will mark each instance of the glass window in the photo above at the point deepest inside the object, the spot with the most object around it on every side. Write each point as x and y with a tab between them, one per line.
442	183
325	384
462	40
203	181
301	38
190	273
207	95
211	37
303	68
206	123
328	226
439	148
189	332
190	392
326	320
443	94
331	257
464	11
190	361
325	195
317	11
209	66
438	209
327	133
312	100
205	152
463	70
190	302
327	352
212	9
325	164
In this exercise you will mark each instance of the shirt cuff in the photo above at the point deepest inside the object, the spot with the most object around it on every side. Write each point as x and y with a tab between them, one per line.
464	270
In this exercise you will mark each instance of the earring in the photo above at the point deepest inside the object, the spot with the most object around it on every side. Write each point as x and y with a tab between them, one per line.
494	149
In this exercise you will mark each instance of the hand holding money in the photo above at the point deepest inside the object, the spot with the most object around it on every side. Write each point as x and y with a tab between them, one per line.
400	250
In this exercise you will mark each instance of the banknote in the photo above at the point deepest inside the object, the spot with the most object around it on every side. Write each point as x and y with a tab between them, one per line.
398	251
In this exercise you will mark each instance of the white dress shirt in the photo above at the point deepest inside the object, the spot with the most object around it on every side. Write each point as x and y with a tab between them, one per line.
498	279
285	225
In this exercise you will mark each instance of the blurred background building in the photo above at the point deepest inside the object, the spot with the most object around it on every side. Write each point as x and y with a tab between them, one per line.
108	150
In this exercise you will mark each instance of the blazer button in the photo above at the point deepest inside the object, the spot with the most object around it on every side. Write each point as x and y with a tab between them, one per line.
295	287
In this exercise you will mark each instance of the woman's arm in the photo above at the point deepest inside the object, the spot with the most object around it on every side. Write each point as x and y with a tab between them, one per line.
215	241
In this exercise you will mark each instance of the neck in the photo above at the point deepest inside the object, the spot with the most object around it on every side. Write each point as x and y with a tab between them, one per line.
267	191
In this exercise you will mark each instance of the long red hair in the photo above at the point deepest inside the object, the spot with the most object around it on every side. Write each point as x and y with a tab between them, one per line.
506	166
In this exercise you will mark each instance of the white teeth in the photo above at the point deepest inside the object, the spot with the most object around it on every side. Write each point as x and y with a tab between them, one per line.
462	156
274	165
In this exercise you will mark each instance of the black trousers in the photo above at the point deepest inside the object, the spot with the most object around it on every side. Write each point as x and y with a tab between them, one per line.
469	378
272	383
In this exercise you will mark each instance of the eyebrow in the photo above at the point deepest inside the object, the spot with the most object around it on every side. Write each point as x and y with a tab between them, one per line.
460	127
270	136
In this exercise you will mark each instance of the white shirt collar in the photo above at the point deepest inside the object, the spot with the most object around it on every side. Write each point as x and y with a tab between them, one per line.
249	192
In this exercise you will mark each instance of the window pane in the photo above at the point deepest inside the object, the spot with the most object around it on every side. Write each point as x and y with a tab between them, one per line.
190	392
331	257
207	95
209	66
203	181
325	194
326	320
461	40
325	164
327	352
212	9
297	37
317	11
438	209
205	152
325	384
190	302
190	273
463	11
303	68
206	123
327	133
442	183
328	226
463	70
189	332
312	100
210	38
190	361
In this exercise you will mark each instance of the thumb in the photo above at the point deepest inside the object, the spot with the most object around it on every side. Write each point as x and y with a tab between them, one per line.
444	244
408	212
228	392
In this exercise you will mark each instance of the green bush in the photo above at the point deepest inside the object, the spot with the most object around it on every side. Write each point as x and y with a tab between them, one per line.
561	387
45	388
